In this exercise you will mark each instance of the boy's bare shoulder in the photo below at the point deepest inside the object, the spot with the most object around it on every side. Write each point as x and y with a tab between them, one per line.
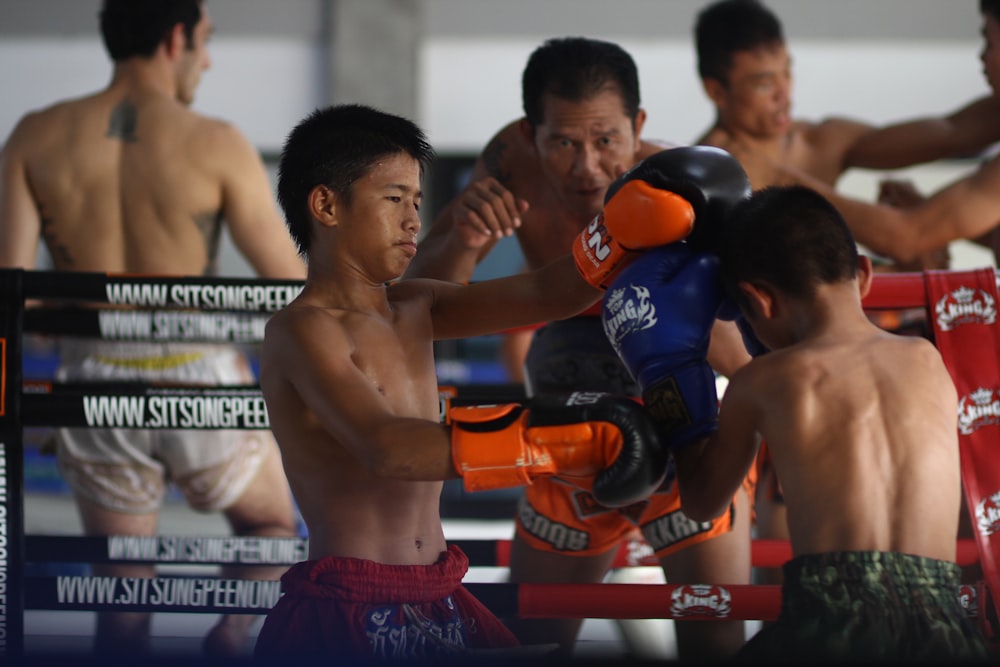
296	321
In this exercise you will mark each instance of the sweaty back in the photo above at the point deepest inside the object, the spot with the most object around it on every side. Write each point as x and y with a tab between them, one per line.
127	182
867	440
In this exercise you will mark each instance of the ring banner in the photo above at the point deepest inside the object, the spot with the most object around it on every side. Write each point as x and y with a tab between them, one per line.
198	595
963	307
11	469
166	549
246	295
147	406
140	405
187	326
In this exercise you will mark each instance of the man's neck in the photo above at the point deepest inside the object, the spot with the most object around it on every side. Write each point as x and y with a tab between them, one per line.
145	75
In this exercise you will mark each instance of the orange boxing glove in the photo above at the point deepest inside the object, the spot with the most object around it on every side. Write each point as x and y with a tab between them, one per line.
611	440
636	216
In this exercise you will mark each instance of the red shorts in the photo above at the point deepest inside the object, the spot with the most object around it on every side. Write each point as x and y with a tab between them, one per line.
559	517
348	607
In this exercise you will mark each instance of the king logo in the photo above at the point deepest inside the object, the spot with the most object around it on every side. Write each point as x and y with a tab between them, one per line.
965	306
988	515
700	600
968	599
978	409
624	315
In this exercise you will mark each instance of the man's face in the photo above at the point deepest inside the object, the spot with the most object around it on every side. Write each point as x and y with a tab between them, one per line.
758	98
583	146
990	55
194	59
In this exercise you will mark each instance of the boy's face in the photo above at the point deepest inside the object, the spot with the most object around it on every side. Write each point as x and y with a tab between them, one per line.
583	146
757	98
382	219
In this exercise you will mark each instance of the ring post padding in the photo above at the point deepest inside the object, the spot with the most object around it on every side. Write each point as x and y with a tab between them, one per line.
11	467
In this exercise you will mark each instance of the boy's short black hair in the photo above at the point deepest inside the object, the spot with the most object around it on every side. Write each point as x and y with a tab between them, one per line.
336	146
789	237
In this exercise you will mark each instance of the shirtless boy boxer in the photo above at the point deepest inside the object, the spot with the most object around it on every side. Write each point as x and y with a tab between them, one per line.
129	179
348	374
745	70
544	178
861	425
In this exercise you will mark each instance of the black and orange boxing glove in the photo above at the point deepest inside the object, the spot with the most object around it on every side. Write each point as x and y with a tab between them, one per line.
605	439
677	194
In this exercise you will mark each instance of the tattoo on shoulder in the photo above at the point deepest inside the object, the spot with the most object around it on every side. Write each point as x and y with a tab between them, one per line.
493	156
210	226
123	121
61	256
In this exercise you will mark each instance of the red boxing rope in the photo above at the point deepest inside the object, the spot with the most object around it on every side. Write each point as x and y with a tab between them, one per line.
896	290
764	553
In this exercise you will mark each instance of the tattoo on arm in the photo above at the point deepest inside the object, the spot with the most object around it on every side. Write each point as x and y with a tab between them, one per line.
61	257
123	121
210	226
493	159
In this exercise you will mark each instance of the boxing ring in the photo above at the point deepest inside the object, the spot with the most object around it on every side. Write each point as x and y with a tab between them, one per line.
961	304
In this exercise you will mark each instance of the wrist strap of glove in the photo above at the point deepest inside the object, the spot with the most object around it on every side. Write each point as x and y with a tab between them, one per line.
684	404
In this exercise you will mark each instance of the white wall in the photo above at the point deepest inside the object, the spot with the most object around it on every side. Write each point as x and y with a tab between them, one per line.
262	85
470	86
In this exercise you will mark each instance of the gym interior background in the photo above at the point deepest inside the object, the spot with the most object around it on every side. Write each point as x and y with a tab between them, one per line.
454	67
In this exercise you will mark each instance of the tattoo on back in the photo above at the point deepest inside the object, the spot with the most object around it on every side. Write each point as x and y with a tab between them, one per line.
493	158
210	226
61	256
122	123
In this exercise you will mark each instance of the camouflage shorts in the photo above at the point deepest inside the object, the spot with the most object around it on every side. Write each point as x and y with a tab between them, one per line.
875	606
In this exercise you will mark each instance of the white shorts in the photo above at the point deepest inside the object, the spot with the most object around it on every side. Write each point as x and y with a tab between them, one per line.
127	470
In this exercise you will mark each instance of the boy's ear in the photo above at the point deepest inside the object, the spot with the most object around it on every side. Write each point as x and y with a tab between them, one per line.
761	298
322	203
864	275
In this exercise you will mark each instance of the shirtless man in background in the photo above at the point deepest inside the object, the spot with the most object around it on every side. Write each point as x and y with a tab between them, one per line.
745	69
131	180
544	178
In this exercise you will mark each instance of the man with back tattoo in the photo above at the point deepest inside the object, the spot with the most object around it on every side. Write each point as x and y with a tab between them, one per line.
131	180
